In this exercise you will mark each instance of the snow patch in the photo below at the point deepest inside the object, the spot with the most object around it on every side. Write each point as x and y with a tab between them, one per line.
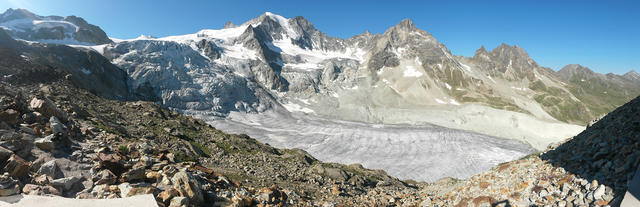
291	107
447	85
466	67
411	72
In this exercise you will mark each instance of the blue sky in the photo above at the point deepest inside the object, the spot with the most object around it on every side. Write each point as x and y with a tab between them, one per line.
602	35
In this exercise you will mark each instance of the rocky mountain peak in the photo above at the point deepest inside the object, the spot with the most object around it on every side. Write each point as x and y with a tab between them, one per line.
406	25
509	51
481	52
632	75
11	14
228	25
576	68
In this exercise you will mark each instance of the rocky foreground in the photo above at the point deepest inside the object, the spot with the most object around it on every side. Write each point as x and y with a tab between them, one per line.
60	140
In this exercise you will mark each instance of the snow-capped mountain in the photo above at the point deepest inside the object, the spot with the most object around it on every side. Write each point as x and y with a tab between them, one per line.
286	83
25	25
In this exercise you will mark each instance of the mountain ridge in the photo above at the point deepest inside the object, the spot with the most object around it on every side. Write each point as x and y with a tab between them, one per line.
274	65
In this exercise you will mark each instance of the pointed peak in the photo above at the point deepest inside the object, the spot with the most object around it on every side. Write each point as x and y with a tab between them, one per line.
367	32
229	25
632	72
632	75
11	14
481	49
406	24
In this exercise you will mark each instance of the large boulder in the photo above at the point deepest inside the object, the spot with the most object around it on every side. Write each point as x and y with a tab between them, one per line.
105	177
10	116
188	187
45	143
47	108
56	126
16	167
50	169
8	185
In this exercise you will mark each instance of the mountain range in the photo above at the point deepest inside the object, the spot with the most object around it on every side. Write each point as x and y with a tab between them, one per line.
272	74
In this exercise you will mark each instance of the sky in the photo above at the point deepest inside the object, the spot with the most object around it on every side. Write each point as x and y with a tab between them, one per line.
602	35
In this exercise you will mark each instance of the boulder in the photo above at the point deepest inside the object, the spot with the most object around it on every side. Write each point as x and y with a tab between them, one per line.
66	183
112	162
50	169
188	187
31	189
166	195
179	202
105	177
56	126
47	108
45	143
8	185
4	154
135	174
16	167
42	180
336	174
10	116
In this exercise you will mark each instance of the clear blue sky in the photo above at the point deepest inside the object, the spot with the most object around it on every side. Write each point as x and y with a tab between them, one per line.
604	35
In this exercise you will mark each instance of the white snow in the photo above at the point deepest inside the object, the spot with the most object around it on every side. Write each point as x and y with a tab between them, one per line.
454	102
466	67
582	80
411	71
440	101
519	88
447	85
291	107
305	66
490	78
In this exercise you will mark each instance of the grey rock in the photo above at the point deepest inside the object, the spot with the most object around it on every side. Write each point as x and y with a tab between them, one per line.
51	169
56	126
45	143
179	202
105	177
66	183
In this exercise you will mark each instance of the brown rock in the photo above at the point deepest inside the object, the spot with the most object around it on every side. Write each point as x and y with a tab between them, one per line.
5	154
153	175
135	174
112	162
32	189
16	167
10	116
167	195
335	190
140	191
42	180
